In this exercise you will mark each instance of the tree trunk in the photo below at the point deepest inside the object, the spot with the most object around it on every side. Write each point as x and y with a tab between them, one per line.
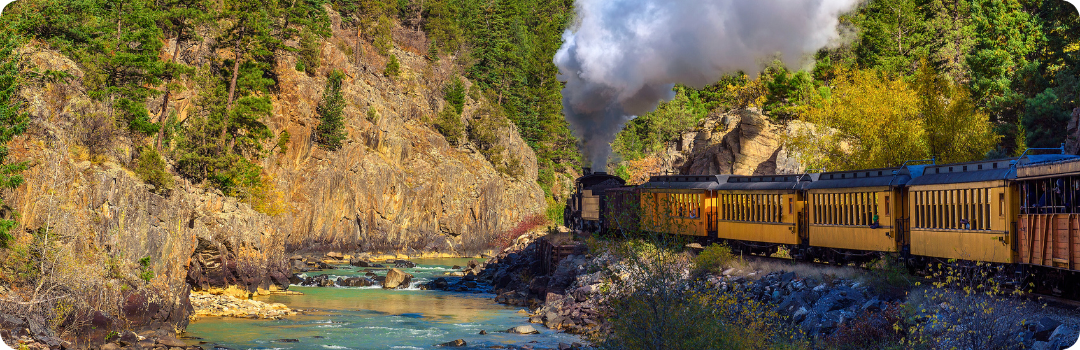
165	102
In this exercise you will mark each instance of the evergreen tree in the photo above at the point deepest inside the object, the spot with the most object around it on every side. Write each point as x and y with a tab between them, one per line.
331	129
13	122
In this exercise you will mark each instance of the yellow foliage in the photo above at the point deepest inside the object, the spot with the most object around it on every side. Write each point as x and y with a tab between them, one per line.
641	169
870	120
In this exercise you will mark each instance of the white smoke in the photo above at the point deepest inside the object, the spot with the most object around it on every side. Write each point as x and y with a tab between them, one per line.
622	58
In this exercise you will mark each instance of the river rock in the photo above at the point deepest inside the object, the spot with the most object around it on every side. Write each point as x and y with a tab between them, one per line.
404	264
356	282
397	279
335	255
359	262
454	344
526	329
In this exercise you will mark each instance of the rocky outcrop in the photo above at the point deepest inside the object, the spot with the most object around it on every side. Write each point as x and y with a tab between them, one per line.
740	142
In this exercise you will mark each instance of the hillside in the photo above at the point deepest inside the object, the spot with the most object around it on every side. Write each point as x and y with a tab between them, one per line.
114	244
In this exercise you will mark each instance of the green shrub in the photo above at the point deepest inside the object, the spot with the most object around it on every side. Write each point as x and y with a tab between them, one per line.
300	66
454	94
449	124
393	68
145	272
372	115
283	142
150	167
309	51
714	258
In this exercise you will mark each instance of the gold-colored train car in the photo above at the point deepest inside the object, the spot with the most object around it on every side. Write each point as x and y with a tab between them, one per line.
761	211
855	214
679	204
964	211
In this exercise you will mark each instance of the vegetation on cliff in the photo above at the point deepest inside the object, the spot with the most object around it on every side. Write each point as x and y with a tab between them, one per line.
997	75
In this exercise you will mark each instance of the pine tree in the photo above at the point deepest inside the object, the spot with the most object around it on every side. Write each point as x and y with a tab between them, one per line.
331	129
13	122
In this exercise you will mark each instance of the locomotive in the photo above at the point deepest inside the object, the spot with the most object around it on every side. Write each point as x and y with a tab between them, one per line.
583	209
1022	213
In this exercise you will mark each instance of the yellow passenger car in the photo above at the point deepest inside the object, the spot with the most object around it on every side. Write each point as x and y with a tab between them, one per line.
764	210
964	211
856	213
678	204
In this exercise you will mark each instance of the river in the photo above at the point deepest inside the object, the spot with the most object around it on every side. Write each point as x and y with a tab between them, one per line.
374	318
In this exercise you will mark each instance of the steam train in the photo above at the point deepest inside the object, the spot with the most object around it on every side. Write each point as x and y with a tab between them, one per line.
1022	213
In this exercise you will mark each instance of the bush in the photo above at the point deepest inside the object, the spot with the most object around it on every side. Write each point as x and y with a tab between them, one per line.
454	94
309	52
450	126
283	142
714	258
507	238
150	167
393	68
145	272
97	134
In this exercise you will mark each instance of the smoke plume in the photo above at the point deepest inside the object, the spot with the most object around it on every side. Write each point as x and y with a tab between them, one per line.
621	58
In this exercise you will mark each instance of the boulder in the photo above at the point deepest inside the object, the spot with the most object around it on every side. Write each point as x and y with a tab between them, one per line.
454	344
1045	327
335	255
526	329
397	279
404	264
359	262
356	282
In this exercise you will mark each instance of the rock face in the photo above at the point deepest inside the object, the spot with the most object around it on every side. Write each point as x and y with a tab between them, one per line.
395	185
740	142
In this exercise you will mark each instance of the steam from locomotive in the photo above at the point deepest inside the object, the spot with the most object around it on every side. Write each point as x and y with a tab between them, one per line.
621	58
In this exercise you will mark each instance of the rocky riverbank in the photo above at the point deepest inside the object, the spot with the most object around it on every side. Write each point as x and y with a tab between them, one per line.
823	305
211	305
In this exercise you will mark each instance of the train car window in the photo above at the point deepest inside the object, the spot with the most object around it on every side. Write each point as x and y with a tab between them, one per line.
790	206
1001	204
886	205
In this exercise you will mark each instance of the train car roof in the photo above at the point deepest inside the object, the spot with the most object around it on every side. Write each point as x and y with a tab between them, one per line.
686	182
1048	165
865	178
764	182
978	171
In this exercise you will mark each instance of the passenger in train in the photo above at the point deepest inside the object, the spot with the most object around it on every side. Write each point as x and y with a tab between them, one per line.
874	223
964	224
1040	206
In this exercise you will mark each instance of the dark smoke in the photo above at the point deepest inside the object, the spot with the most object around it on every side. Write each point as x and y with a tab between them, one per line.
622	58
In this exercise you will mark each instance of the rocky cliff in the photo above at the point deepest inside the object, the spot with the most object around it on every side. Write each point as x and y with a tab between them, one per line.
740	142
123	257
